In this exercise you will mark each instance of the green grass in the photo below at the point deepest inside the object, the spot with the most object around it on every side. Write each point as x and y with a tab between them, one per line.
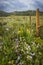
18	43
20	19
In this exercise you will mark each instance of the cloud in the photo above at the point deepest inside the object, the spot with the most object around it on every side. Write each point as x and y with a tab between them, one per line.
33	4
12	5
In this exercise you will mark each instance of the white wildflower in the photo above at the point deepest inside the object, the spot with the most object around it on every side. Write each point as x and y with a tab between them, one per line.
33	42
22	50
29	57
37	46
32	54
29	47
18	59
7	29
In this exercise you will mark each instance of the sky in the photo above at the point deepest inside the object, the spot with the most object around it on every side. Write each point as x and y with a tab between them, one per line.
20	5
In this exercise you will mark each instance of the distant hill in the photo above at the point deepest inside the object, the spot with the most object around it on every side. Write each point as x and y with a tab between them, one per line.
2	13
25	13
20	13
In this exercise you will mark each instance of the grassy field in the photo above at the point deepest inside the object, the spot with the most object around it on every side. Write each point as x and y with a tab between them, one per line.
19	44
20	19
13	20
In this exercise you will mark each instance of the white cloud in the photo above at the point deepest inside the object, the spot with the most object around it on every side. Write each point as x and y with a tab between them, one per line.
26	4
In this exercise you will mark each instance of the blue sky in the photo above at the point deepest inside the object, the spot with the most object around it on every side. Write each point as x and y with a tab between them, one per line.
20	5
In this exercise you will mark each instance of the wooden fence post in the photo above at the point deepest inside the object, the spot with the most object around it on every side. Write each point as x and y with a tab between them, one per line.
30	20
37	22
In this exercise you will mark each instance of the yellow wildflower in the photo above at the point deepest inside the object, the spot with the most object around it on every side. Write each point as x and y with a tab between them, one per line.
28	31
19	32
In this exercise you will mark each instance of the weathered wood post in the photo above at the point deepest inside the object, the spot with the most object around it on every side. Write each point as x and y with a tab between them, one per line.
37	22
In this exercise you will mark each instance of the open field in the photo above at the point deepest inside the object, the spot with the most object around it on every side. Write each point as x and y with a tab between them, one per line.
16	21
21	19
19	44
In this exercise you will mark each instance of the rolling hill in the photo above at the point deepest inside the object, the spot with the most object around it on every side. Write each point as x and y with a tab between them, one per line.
20	13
